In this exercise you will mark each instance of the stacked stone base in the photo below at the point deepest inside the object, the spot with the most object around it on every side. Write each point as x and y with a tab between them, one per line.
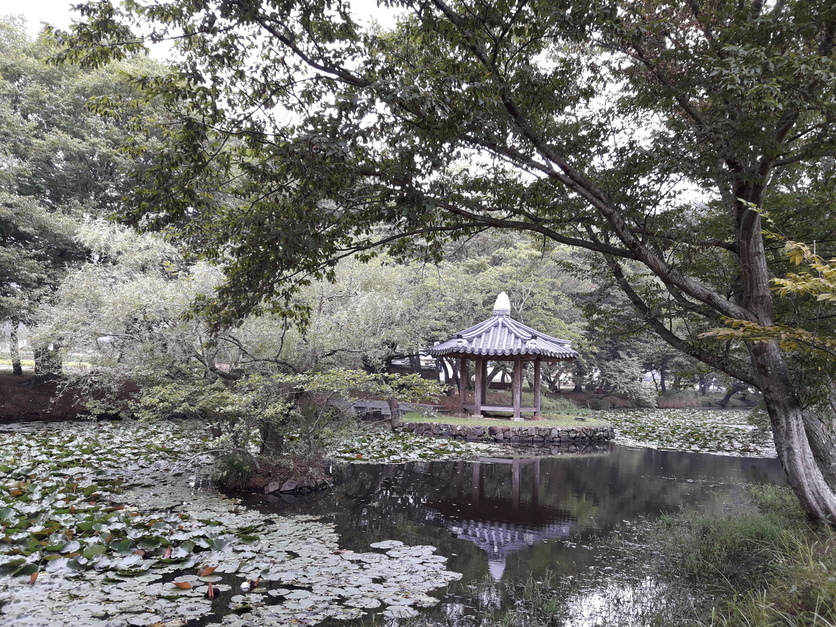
521	434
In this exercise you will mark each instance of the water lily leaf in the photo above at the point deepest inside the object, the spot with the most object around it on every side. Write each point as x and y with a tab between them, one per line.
75	564
149	543
130	572
93	550
122	546
11	566
219	544
71	547
27	569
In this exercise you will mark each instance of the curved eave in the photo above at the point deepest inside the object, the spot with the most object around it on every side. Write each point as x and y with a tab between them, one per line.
456	351
502	337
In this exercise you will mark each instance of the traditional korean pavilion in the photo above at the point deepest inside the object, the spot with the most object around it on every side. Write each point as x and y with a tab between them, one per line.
501	338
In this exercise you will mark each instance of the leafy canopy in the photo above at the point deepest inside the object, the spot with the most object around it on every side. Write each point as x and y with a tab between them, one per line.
650	133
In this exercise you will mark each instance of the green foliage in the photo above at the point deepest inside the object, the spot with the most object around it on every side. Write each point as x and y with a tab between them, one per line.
233	471
278	414
556	405
623	375
733	550
431	96
35	248
598	404
60	160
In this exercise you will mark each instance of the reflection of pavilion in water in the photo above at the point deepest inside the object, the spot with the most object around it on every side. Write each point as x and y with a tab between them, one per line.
500	521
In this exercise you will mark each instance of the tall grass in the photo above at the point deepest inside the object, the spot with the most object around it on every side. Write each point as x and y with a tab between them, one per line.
800	589
769	567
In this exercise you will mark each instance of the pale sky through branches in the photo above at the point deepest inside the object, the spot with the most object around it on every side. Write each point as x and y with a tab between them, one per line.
55	12
59	13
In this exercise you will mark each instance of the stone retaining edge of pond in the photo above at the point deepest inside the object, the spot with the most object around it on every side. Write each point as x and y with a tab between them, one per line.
512	433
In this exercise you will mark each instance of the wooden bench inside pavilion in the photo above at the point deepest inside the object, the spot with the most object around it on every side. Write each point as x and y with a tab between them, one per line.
501	338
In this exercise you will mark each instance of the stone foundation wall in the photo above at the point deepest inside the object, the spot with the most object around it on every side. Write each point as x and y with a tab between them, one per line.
525	433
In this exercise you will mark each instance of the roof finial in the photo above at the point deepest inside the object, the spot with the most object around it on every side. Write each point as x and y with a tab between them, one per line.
502	307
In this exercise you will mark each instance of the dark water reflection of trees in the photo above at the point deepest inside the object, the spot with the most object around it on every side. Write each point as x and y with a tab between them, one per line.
513	518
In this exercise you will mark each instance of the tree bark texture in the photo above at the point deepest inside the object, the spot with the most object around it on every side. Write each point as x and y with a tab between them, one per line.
14	350
792	439
804	474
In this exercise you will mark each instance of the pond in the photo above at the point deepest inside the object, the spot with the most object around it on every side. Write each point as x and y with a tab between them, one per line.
100	524
528	518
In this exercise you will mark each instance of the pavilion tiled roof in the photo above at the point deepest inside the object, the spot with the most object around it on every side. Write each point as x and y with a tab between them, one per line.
500	336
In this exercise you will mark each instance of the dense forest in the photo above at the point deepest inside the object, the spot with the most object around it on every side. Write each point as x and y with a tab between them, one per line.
77	285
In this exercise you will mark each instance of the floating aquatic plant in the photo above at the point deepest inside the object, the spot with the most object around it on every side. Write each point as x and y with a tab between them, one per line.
99	524
728	432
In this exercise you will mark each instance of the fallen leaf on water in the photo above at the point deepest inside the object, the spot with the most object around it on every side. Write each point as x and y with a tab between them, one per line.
207	571
183	585
33	577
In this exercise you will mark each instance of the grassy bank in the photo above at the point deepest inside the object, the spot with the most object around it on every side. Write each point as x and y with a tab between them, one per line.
562	421
770	566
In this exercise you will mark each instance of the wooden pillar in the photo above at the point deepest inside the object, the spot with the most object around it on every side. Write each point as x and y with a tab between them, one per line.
478	390
537	388
516	389
484	382
463	377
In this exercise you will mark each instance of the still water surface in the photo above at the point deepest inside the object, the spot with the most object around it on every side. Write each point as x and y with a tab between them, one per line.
515	518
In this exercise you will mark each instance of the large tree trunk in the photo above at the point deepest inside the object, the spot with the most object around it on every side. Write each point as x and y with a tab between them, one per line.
734	388
823	443
14	350
804	474
415	364
579	375
663	371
